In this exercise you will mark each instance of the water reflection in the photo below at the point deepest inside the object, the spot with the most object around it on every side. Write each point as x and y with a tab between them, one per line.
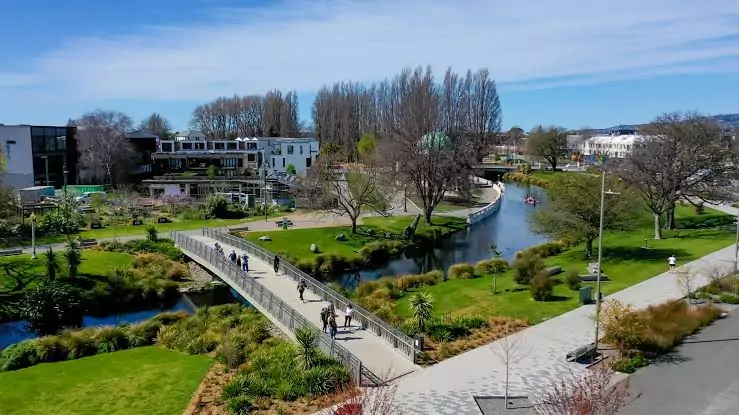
509	231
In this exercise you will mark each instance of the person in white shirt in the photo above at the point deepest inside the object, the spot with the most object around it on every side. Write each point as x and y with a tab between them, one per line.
348	316
672	261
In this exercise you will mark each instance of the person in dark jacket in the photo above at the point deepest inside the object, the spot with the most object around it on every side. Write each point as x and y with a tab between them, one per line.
276	263
324	318
333	325
232	256
301	289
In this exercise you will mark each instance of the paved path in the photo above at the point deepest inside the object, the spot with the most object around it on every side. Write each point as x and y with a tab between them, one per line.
701	377
375	354
449	387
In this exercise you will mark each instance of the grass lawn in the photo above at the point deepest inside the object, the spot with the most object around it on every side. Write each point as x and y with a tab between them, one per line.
127	230
142	381
295	243
624	261
549	175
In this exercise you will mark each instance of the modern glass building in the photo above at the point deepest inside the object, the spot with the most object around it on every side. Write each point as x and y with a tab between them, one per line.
39	155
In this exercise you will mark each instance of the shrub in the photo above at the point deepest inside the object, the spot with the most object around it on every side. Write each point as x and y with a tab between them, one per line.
142	334
50	306
729	298
573	280
177	271
19	356
379	252
110	339
50	349
78	343
239	405
410	328
216	206
465	271
526	266
629	364
542	287
151	233
351	408
491	266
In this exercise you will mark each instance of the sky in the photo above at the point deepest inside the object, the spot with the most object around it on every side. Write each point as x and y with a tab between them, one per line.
571	63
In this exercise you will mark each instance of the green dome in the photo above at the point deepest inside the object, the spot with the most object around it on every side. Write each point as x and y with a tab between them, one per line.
436	141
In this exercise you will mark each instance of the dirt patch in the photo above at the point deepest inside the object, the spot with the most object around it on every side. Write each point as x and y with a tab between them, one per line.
206	399
434	352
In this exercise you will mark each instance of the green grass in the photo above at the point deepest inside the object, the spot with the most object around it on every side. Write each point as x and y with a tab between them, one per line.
20	271
549	175
624	261
128	230
295	243
142	381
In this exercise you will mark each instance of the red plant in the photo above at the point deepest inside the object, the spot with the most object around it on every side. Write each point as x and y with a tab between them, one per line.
351	408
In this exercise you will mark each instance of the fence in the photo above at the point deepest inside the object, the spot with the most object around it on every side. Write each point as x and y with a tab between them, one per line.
490	209
393	336
270	303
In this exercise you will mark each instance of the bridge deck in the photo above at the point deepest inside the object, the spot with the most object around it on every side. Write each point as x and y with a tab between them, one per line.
375	354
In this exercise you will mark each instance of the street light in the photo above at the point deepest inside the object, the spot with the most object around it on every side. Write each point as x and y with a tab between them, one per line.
603	194
33	234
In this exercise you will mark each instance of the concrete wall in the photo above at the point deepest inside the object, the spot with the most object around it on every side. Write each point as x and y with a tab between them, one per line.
15	145
489	209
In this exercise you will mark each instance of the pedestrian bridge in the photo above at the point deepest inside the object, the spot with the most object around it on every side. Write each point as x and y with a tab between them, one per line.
372	349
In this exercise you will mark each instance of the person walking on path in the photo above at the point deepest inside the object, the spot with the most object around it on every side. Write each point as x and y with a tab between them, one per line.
232	256
238	262
276	263
301	289
324	318
245	262
348	316
333	325
672	261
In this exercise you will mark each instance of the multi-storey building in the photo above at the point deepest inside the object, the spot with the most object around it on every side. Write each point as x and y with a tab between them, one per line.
38	155
190	165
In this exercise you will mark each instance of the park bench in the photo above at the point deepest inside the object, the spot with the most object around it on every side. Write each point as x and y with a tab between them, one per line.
593	277
281	223
9	252
554	271
585	351
86	243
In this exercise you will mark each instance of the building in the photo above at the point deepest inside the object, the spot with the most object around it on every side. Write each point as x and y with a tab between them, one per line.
190	135
39	155
614	146
195	167
145	145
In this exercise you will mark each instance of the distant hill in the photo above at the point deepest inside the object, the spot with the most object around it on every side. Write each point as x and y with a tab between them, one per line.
726	120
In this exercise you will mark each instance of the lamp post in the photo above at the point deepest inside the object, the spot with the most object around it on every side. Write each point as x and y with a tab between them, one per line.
33	234
603	194
65	172
46	166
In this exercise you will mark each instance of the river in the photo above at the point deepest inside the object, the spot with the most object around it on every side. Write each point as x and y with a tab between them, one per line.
508	231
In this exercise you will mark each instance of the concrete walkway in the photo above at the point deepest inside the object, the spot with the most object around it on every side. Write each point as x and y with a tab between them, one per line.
449	387
377	355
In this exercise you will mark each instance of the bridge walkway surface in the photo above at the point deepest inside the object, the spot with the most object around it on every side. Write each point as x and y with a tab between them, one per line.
377	352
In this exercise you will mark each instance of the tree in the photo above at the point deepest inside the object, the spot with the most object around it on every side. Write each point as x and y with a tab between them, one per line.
686	281
623	327
51	263
542	287
508	350
73	256
379	400
307	350
366	145
572	211
291	169
526	265
349	191
422	305
591	394
678	156
105	152
548	143
49	307
157	125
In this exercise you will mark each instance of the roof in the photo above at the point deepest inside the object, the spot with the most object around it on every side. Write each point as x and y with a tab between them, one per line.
626	139
140	134
189	133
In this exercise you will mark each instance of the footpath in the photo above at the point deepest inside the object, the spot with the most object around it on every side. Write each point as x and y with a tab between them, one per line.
449	387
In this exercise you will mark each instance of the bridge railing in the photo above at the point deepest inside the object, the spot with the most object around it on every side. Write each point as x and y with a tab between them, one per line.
396	338
273	305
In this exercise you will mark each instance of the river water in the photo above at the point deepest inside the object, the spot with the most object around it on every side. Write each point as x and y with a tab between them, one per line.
508	231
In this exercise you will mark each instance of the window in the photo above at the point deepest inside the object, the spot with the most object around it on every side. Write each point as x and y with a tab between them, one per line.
251	146
199	146
166	147
219	146
283	162
290	149
232	145
273	161
37	131
301	149
50	142
61	143
38	143
187	146
251	157
308	161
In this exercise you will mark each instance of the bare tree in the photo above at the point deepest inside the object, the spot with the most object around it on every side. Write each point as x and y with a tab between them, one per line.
157	125
548	143
105	152
687	281
509	350
484	114
679	156
347	191
591	394
226	118
380	400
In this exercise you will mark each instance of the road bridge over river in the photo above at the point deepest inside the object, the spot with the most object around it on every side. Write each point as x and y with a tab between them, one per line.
371	348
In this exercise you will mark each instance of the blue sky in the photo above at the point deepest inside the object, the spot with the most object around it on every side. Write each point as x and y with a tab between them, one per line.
566	62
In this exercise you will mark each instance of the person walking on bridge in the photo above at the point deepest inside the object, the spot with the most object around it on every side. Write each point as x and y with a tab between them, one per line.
301	289
348	316
245	262
333	325
324	318
276	263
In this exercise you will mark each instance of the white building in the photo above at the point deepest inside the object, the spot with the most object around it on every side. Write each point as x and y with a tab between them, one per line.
614	146
17	156
190	135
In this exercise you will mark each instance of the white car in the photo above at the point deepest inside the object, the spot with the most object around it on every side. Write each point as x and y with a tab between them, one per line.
87	197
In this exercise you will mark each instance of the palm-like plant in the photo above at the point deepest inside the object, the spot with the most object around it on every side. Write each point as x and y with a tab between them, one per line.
73	255
52	264
307	352
422	304
49	307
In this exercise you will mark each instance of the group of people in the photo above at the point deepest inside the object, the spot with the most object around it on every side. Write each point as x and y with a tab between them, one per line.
241	261
328	318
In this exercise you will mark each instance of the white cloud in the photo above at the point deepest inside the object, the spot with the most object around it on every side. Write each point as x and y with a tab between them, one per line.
303	44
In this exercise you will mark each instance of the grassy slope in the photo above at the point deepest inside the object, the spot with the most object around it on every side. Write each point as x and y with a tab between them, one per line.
145	381
296	242
624	261
94	263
